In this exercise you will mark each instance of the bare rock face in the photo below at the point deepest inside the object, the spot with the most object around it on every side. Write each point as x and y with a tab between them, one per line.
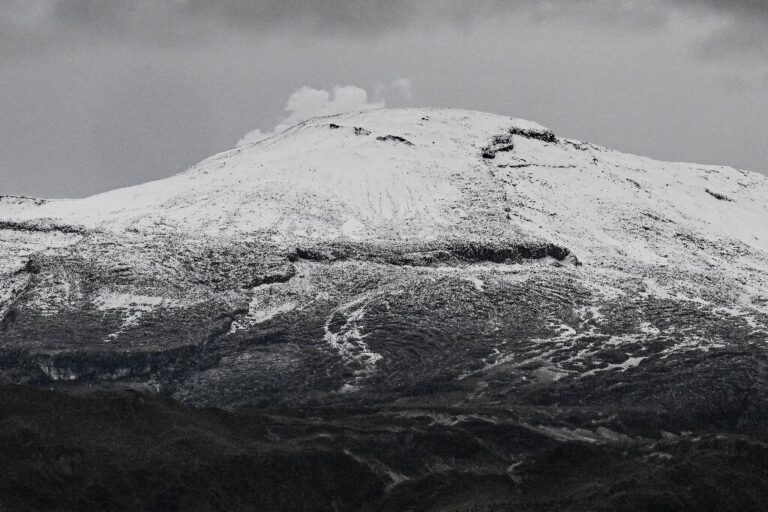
548	322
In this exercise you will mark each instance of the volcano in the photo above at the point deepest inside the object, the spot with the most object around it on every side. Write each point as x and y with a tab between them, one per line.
406	309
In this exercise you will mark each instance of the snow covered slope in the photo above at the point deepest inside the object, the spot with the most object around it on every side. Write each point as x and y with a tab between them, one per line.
419	174
319	181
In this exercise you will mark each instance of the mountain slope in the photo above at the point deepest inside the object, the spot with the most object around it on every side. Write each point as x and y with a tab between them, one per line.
419	194
408	260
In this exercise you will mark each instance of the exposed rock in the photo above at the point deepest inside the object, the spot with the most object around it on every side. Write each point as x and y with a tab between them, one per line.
718	196
395	138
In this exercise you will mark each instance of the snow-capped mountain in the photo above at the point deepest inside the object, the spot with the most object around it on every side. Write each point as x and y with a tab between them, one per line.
469	275
417	202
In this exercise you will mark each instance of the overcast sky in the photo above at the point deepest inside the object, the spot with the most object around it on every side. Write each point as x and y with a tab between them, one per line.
97	94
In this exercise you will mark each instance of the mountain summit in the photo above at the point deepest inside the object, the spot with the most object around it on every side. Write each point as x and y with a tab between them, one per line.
476	277
418	175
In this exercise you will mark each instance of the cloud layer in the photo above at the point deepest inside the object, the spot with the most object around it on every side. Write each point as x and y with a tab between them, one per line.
26	22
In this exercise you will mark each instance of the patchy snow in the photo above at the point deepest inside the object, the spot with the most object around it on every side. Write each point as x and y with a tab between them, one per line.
349	341
115	300
479	284
648	328
742	312
259	313
10	288
133	306
262	316
57	374
631	362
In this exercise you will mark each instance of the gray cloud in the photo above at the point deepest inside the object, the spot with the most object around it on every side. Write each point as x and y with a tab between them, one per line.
48	25
164	19
744	7
742	29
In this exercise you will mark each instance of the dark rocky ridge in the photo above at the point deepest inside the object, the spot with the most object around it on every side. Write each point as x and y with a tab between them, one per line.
127	451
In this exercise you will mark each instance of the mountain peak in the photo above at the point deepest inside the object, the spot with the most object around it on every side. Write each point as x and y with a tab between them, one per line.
419	175
457	264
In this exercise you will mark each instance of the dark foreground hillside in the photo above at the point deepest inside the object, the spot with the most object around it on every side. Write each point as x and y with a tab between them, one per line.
127	451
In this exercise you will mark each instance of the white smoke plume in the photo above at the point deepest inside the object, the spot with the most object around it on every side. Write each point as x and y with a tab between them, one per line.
308	102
